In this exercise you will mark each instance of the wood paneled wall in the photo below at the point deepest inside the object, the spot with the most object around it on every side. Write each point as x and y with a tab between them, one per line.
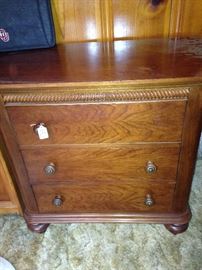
186	18
90	20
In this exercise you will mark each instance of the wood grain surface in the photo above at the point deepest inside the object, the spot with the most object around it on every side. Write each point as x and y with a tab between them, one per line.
105	62
8	198
100	197
126	19
164	61
191	135
100	123
3	193
186	19
14	162
110	19
77	20
102	163
140	19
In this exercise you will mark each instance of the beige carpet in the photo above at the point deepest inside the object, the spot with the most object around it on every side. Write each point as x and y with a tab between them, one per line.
106	246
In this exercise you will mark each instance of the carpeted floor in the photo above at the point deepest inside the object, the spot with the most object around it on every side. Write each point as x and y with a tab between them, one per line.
106	246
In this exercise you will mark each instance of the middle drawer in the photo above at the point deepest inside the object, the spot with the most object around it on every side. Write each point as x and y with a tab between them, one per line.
102	162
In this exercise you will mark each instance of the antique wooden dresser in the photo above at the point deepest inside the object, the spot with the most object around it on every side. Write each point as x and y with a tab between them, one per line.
103	132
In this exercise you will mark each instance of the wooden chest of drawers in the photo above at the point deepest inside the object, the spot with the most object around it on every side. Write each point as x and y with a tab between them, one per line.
121	123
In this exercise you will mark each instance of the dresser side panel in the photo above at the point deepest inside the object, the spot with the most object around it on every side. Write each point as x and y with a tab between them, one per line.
190	140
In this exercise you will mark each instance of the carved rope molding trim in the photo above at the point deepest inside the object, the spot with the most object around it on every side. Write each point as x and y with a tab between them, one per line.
119	96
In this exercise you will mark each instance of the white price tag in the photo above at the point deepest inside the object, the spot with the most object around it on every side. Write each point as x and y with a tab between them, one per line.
42	132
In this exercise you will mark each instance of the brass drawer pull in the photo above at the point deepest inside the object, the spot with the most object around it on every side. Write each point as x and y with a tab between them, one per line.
57	201
149	201
151	167
50	169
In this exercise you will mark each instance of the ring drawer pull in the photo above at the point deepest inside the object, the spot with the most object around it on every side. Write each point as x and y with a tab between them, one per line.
151	167
50	169
57	201
149	201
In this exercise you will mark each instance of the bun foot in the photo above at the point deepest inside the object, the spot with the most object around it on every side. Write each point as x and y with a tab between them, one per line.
38	228
177	228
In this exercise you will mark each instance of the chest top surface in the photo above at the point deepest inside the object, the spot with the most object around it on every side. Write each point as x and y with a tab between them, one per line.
105	62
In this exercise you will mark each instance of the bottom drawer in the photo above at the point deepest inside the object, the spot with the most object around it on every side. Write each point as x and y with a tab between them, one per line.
104	198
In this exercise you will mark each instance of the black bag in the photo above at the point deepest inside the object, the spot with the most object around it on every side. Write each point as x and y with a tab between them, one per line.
26	24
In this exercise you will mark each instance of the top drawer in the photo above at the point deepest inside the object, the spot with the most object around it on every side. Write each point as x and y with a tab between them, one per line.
100	123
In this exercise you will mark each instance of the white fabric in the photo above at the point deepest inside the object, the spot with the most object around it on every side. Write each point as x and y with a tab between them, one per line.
5	265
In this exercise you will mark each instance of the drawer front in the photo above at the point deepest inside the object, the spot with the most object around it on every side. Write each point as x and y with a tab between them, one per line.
100	123
102	163
103	198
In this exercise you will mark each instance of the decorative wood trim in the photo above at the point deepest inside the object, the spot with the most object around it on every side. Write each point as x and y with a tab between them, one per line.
165	218
102	96
146	84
